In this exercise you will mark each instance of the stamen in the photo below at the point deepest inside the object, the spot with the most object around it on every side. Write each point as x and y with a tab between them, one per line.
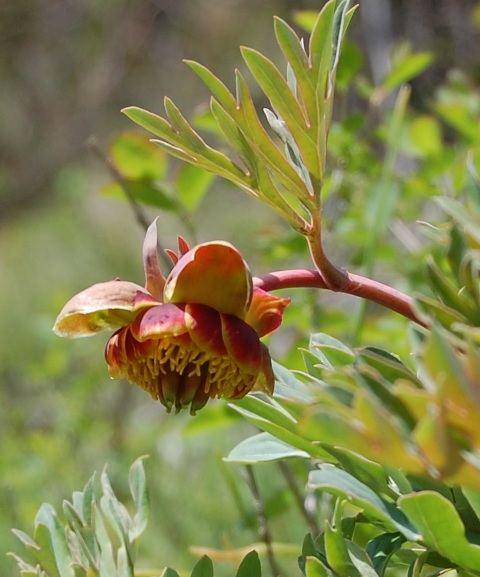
216	376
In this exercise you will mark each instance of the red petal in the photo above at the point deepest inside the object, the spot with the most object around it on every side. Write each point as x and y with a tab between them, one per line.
205	329
161	321
266	379
242	343
213	274
266	311
154	279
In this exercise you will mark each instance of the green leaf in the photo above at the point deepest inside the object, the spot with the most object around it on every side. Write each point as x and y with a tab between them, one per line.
297	58
143	191
192	185
139	491
336	549
333	480
315	568
381	548
54	556
409	67
263	448
168	572
331	352
283	100
250	566
136	158
203	568
275	421
467	216
441	527
426	135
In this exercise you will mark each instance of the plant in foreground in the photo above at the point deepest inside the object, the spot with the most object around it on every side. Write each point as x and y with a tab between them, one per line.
396	447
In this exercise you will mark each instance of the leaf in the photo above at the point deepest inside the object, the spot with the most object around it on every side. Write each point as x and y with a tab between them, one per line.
315	568
50	535
136	158
274	420
203	568
250	566
283	100
263	448
441	527
330	351
139	491
192	185
144	192
409	67
467	216
333	480
336	549
381	548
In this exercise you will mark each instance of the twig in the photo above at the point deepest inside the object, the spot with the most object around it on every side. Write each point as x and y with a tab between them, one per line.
292	485
357	285
119	178
263	527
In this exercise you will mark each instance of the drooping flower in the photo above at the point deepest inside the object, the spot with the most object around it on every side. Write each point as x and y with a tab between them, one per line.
186	338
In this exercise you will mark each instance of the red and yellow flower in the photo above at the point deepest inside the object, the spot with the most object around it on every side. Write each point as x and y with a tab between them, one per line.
188	337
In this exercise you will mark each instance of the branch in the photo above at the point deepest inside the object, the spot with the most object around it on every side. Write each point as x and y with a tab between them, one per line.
263	527
355	284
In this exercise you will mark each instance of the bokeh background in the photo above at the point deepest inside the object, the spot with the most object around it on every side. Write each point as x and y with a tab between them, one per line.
67	67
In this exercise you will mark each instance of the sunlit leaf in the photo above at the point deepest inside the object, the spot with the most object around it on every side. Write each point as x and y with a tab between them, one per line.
263	448
250	566
441	528
333	480
136	158
203	568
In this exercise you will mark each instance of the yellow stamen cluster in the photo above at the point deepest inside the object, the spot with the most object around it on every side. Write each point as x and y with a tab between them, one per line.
216	376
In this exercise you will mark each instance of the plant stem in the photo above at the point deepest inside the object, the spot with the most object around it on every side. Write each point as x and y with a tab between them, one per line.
263	527
299	498
335	278
357	285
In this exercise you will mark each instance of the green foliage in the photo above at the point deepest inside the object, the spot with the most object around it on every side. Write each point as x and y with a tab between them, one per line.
385	443
98	536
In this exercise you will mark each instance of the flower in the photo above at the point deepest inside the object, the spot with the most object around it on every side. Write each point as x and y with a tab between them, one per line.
188	337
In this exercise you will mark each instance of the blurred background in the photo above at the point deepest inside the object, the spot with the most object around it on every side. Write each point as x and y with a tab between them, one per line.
67	67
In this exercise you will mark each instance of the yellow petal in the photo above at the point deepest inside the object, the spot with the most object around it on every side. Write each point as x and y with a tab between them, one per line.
108	305
213	274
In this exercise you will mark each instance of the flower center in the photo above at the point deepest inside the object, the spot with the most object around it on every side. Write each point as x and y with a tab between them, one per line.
180	375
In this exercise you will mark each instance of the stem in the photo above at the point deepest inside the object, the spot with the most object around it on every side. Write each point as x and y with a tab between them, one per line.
299	499
122	182
335	278
263	528
355	284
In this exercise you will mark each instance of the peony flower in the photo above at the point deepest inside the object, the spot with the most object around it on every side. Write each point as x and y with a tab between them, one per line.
188	337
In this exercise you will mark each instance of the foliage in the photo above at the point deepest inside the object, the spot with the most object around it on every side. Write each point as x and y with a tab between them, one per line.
387	439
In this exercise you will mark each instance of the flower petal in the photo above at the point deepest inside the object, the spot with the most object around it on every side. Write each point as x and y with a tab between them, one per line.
212	274
154	279
164	320
266	379
107	305
265	312
242	342
205	329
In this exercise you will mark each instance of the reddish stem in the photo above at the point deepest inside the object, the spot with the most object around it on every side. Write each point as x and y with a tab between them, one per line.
357	285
